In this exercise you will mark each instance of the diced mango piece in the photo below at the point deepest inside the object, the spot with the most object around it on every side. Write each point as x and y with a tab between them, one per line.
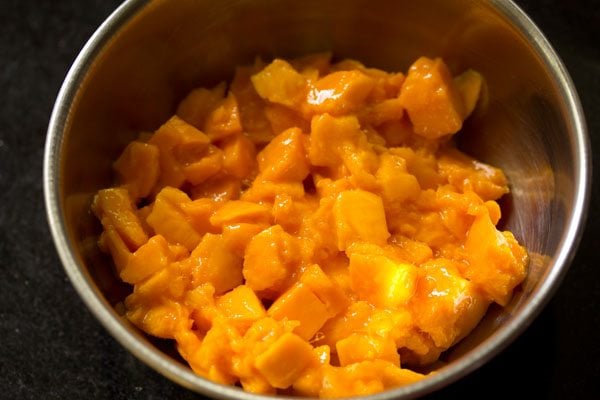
285	360
239	235
361	347
224	120
179	143
199	212
469	85
137	168
239	156
207	166
113	207
338	93
241	306
167	219
282	118
214	359
150	258
236	211
396	183
359	216
271	258
467	174
384	111
284	158
218	188
431	99
300	304
496	262
163	320
199	103
381	280
328	137
111	241
215	263
446	306
280	83
328	292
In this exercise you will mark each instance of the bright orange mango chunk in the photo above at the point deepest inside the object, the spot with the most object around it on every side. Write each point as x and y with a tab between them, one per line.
340	92
285	360
300	304
284	158
138	168
359	216
280	83
431	99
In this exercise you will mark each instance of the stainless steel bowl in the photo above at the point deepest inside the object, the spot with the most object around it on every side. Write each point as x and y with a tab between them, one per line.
148	54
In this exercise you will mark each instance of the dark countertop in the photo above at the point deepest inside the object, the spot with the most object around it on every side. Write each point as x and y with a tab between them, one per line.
53	348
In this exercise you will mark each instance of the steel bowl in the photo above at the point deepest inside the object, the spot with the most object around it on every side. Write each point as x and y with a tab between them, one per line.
148	54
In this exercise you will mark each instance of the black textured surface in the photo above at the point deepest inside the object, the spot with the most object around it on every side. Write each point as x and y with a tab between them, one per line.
53	348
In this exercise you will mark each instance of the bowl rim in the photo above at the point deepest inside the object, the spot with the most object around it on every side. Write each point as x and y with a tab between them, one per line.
129	337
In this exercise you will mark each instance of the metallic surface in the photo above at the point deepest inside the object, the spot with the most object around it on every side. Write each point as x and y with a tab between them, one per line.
148	54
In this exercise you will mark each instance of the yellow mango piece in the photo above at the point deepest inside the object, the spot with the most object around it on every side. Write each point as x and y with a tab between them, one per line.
201	300
282	118
236	211
329	136
280	83
446	306
179	143
467	174
359	216
214	359
168	219
328	292
285	360
111	242
339	93
397	185
300	304
321	62
199	103
137	169
265	191
239	156
150	258
219	188
214	262
381	280
496	262
207	166
385	111
252	107
224	120
422	164
199	212
431	99
270	260
113	207
162	321
360	347
469	85
364	378
238	235
284	158
310	382
241	306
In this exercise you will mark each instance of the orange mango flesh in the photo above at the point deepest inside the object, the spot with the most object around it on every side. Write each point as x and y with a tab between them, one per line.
312	229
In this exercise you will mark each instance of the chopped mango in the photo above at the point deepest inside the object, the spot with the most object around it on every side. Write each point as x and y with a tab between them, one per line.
431	99
138	168
310	229
301	304
284	158
359	216
285	360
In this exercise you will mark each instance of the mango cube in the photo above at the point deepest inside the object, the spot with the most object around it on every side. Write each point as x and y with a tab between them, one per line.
280	83
150	258
137	168
285	360
431	99
215	263
284	158
362	347
236	211
199	103
340	92
300	304
241	306
359	216
329	136
381	280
